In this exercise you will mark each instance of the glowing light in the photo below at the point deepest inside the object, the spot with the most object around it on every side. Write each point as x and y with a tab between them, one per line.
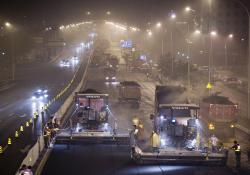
230	35
197	32
7	24
187	9
150	33
158	25
173	16
213	33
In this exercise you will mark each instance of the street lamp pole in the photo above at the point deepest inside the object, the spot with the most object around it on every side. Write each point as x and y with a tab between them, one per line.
13	62
188	58
226	56
173	16
248	86
172	52
230	36
209	61
9	26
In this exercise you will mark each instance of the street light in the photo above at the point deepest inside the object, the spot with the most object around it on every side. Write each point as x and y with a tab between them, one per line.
229	37
173	16
212	35
187	9
248	86
108	13
150	33
197	32
88	13
158	25
7	24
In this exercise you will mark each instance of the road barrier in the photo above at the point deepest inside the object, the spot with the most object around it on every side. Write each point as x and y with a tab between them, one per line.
9	141
16	134
34	153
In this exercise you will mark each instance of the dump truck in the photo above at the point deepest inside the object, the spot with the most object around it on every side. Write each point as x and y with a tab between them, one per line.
219	115
130	91
91	107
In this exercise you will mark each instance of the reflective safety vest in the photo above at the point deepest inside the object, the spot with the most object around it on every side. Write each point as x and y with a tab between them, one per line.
237	149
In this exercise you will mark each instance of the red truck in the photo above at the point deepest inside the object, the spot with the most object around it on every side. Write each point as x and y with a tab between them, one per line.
219	115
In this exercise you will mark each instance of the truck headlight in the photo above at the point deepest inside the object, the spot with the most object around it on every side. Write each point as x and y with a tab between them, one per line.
107	78
113	78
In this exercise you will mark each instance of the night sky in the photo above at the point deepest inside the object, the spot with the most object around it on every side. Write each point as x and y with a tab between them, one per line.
53	12
65	11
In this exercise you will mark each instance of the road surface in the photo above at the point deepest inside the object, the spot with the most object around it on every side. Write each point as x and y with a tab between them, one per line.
113	160
17	107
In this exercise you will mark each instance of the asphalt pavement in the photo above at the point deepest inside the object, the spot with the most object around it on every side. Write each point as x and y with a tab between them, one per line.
100	159
17	107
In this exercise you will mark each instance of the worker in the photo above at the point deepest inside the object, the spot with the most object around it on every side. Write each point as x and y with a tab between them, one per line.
47	137
214	143
147	74
36	114
237	151
155	141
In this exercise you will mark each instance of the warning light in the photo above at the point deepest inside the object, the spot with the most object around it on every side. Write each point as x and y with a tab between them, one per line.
209	85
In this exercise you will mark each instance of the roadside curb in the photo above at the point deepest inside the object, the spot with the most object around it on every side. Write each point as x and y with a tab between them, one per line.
42	161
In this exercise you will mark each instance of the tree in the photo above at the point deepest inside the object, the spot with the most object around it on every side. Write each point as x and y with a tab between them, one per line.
165	64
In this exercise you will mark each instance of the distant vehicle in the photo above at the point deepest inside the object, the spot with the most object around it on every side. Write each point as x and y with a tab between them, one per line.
75	58
112	62
140	66
130	91
110	74
232	81
65	63
40	94
204	68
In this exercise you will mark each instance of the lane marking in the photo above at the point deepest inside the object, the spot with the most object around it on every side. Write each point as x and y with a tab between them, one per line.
25	149
10	115
22	116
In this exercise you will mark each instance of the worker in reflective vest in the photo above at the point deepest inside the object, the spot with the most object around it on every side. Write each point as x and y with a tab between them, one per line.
237	151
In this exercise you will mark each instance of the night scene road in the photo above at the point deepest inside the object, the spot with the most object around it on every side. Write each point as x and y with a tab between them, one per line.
129	87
